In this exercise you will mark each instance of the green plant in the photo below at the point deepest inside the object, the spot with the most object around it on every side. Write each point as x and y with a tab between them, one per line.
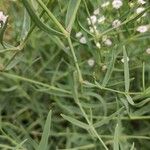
82	63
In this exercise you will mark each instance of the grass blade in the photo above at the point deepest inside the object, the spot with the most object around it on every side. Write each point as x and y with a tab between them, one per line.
46	132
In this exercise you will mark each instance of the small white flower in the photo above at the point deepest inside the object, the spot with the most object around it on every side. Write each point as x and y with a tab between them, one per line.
122	60
91	62
105	4
116	23
139	10
142	29
104	67
141	2
78	35
131	4
98	45
96	11
83	40
3	18
108	42
101	19
117	4
148	51
92	19
92	29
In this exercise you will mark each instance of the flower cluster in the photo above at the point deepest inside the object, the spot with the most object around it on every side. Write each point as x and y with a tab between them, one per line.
99	20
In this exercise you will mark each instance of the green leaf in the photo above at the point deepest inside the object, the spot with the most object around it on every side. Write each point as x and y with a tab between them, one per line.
71	13
109	70
37	20
19	146
107	119
46	132
116	138
75	122
25	26
126	70
130	100
14	62
132	147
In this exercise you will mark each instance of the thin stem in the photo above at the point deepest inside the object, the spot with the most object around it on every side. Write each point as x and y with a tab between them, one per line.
91	126
143	76
34	82
53	18
75	60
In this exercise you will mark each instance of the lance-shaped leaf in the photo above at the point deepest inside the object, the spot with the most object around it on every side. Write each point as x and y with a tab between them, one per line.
37	20
71	13
46	132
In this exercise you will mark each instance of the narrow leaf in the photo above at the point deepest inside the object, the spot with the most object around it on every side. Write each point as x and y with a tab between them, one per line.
71	13
116	138
37	20
26	25
132	147
46	132
126	70
75	122
109	70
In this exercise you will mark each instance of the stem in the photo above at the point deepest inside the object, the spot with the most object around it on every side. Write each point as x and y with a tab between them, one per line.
143	76
53	18
34	82
91	126
75	60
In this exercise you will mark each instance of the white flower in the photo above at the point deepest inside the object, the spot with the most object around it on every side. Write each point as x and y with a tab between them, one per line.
122	60
3	18
83	40
116	23
104	67
131	4
105	4
142	29
92	19
78	35
96	11
92	29
101	19
98	45
108	42
91	62
141	2
148	51
139	10
117	4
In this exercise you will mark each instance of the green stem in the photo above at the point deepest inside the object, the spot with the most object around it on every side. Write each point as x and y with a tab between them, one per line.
53	18
75	60
34	82
91	126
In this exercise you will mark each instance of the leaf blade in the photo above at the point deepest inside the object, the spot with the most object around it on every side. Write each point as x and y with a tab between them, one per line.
46	132
71	13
